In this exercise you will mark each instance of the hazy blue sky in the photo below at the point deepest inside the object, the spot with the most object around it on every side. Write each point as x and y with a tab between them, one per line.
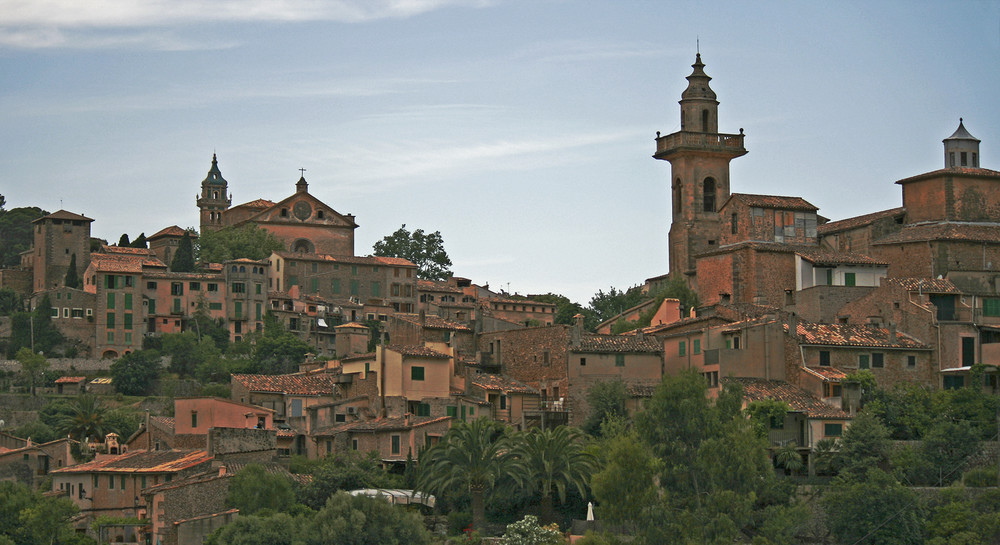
522	130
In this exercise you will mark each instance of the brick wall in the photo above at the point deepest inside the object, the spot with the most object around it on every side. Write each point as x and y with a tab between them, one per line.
521	352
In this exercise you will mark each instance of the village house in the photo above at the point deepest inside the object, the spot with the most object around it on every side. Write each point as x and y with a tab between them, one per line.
393	438
29	462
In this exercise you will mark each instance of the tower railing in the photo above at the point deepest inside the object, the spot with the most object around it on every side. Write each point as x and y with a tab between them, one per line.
700	140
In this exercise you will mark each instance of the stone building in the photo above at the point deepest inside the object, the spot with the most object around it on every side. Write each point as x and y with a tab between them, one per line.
60	238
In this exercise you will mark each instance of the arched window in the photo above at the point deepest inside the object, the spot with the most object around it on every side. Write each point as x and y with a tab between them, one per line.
708	195
215	194
303	245
704	121
677	196
243	269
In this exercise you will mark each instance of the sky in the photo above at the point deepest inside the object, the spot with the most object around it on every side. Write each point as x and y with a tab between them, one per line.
522	130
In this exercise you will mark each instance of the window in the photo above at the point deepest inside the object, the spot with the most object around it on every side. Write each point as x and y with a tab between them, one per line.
176	288
545	358
395	444
833	430
238	309
451	411
354	287
340	417
111	300
213	287
696	346
194	419
682	348
128	301
863	361
109	281
150	285
354	269
952	382
314	285
965	158
911	361
111	481
423	409
416	373
878	360
128	320
951	159
583	362
336	285
77	313
708	195
619	360
55	312
240	287
354	444
824	358
991	306
215	306
849	279
194	286
110	320
258	287
376	289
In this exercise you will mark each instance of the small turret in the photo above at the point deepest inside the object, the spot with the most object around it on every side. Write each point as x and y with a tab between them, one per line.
961	149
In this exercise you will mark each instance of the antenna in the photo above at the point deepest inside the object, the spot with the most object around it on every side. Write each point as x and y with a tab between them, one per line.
697	44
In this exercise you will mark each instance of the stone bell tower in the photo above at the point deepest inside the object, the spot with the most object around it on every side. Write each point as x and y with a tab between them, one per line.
699	157
213	201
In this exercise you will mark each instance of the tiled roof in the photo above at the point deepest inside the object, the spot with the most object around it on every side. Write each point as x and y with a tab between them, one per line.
684	324
960	171
142	461
923	285
761	246
416	351
854	335
436	286
165	423
351	260
502	384
127	250
773	201
358	357
839	258
259	204
123	263
640	390
517	301
63	215
349	325
170	275
294	384
592	342
172	231
432	321
828	374
799	400
70	380
381	424
857	221
944	230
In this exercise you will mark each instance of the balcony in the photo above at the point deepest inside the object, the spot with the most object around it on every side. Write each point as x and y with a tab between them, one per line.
545	413
727	144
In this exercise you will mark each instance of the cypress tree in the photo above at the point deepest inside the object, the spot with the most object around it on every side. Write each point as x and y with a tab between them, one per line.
124	242
72	279
184	258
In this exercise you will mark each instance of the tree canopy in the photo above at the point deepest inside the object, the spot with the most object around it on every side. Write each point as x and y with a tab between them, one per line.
16	234
425	250
134	374
184	257
246	241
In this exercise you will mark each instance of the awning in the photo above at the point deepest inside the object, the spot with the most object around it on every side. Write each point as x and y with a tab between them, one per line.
965	369
397	496
321	322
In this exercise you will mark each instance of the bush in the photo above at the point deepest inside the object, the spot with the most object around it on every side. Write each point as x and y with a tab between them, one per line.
980	477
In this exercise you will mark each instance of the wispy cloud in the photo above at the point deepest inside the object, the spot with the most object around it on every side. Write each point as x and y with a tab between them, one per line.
72	23
572	51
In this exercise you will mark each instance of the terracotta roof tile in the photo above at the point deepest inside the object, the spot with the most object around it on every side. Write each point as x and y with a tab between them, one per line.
351	260
294	384
437	286
828	374
256	204
416	351
516	301
172	231
70	380
924	285
382	424
858	221
502	384
854	335
356	357
960	171
432	321
591	342
945	230
142	461
773	201
839	258
799	400
63	215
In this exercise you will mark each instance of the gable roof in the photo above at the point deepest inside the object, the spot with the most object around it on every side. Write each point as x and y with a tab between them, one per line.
858	221
502	384
382	424
944	230
172	231
854	335
314	384
799	400
143	461
954	171
432	321
63	215
593	342
924	285
839	258
261	215
416	351
771	201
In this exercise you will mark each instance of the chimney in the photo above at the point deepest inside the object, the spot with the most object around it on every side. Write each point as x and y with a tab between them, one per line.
892	332
423	317
793	325
576	331
149	433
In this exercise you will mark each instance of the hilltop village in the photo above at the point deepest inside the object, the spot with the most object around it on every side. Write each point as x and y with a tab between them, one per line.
791	306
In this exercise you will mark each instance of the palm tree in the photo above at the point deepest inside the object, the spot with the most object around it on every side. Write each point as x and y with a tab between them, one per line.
472	457
86	419
555	459
788	457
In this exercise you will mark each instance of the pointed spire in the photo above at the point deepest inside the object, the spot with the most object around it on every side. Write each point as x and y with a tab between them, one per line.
698	82
961	149
214	174
961	133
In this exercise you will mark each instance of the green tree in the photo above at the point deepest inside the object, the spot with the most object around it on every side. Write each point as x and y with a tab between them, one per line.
10	302
566	310
246	241
72	279
280	354
614	302
124	421
553	461
864	447
253	490
140	241
134	374
625	487
124	242
607	400
184	256
876	509
186	352
472	457
273	529
32	365
34	329
348	471
85	419
16	233
425	250
28	518
37	431
361	520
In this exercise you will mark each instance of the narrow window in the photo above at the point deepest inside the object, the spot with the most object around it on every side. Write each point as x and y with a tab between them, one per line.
708	195
951	159
911	361
395	444
965	159
824	358
682	348
863	361
696	346
194	419
619	360
704	121
975	160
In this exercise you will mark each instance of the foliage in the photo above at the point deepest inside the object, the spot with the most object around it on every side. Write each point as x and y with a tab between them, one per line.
361	520
980	477
273	529
32	365
279	354
676	288
876	509
28	518
34	330
253	490
85	418
866	381
553	461
765	413
566	310
247	241
184	256
140	241
964	518
72	279
10	302
123	421
124	242
626	486
186	352
864	447
606	400
472	457
608	305
947	446
424	250
528	532
135	373
37	431
16	234
348	471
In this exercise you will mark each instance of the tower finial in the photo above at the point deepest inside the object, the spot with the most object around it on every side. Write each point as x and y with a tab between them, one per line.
697	45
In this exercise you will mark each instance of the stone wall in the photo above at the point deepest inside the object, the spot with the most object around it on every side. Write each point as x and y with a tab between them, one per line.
233	440
82	365
190	501
197	529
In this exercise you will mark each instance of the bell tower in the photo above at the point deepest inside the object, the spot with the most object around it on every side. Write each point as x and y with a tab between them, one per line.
699	157
213	201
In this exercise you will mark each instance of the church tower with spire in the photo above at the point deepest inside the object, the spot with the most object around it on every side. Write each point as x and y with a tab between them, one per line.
214	200
699	157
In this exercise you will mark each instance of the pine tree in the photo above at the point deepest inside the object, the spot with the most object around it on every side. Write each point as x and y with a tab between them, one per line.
124	242
184	258
72	277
